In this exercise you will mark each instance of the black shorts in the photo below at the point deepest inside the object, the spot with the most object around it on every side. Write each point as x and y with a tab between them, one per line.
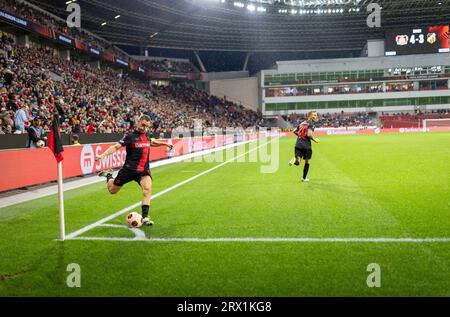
305	154
125	176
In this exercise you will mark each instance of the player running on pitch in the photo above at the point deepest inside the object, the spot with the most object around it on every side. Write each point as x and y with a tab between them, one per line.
137	163
303	149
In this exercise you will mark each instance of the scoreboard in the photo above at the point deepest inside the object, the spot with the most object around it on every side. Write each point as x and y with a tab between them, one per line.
421	40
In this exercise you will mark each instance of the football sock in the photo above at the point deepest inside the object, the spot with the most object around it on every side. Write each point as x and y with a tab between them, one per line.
305	171
145	210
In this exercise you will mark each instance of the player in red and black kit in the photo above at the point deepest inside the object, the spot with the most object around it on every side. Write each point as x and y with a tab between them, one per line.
137	163
303	149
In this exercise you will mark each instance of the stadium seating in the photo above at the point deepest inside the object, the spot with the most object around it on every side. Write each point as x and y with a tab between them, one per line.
104	101
29	13
169	66
336	120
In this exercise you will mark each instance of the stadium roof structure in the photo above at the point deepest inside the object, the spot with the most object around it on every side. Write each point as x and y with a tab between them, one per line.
248	25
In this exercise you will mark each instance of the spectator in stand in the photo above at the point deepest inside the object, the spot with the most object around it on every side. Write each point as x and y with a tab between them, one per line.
35	134
8	77
20	119
6	116
2	126
12	104
75	140
9	129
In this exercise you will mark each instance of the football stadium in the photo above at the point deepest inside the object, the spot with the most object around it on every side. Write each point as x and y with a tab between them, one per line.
225	149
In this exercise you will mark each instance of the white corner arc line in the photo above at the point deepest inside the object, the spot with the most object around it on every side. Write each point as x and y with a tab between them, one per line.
101	221
138	234
271	240
120	212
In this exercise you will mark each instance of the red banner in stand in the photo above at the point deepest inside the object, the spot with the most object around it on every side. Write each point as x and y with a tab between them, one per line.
27	167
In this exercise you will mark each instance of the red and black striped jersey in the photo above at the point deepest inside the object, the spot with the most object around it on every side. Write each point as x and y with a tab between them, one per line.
303	140
138	151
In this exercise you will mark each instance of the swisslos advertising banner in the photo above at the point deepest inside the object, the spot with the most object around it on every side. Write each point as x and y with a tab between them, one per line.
26	167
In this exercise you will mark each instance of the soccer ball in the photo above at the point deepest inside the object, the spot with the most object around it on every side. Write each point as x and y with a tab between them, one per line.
134	220
40	144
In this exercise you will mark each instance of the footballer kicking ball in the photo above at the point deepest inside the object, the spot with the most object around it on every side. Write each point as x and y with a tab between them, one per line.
134	220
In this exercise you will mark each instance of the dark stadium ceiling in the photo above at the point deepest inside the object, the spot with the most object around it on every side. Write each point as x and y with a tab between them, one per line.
241	25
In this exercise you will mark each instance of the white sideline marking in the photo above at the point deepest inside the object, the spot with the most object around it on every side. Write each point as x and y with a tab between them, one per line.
113	226
120	212
274	240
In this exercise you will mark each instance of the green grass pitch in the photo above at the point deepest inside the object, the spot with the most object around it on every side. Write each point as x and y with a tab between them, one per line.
362	186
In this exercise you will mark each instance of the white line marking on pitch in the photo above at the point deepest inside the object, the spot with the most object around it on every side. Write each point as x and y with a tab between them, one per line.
138	234
273	240
111	225
120	212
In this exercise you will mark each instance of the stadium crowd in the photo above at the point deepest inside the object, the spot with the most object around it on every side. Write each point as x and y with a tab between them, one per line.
35	84
169	66
41	18
335	120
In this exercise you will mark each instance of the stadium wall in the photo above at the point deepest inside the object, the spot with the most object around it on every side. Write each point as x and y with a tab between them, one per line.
368	96
407	108
387	101
355	101
375	48
225	75
240	90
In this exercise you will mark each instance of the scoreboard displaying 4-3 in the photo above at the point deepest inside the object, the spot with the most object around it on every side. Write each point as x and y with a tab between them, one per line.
425	40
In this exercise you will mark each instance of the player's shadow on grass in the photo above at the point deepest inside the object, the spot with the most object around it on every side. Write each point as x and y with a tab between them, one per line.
325	185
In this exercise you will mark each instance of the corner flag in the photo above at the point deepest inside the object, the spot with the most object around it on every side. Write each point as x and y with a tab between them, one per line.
54	140
55	145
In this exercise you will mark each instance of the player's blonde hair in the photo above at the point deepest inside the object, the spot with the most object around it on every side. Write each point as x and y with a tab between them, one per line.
311	113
